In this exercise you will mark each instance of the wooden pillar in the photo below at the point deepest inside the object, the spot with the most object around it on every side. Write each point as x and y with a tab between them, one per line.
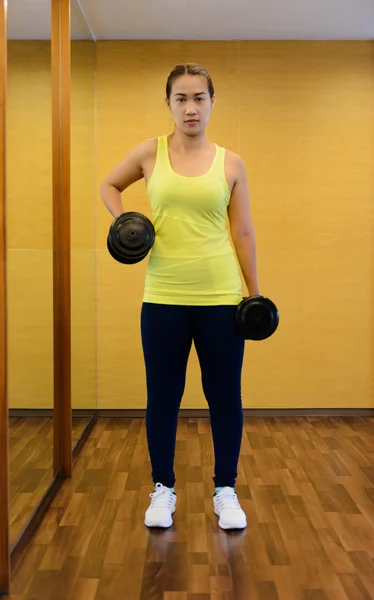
61	73
4	487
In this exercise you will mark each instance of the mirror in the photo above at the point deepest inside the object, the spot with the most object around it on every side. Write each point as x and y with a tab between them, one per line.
83	222
29	260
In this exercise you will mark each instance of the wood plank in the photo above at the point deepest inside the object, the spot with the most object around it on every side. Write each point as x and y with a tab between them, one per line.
30	469
310	535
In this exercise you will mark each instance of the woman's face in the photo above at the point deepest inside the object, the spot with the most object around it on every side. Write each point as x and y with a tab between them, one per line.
190	104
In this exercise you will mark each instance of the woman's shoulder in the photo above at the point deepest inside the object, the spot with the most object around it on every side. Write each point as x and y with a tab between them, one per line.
234	160
233	156
148	146
144	150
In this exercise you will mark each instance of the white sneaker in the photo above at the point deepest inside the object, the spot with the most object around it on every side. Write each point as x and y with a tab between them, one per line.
228	509
159	513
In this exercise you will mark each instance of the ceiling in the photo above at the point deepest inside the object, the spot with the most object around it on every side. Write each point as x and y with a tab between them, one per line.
199	19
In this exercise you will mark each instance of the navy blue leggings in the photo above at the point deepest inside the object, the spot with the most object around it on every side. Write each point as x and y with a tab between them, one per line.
167	334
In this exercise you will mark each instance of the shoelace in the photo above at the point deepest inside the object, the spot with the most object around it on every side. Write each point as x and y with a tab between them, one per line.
161	497
228	500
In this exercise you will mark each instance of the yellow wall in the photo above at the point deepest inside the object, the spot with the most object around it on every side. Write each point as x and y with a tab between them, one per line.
301	115
29	225
83	226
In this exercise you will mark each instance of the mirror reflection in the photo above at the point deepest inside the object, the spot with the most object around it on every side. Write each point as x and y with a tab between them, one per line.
83	252
29	263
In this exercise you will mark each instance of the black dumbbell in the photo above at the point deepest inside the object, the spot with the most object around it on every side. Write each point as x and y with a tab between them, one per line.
256	318
130	237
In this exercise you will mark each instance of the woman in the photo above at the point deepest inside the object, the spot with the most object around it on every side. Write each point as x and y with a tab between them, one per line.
192	285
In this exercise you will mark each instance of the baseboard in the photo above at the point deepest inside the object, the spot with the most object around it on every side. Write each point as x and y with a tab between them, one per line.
48	412
133	413
248	412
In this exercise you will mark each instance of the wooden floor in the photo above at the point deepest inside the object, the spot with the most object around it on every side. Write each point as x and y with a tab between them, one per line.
307	486
30	466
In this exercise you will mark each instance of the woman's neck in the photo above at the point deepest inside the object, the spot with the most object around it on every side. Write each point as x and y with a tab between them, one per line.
184	143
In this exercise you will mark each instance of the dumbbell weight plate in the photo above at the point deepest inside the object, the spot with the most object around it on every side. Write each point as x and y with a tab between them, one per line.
257	318
130	237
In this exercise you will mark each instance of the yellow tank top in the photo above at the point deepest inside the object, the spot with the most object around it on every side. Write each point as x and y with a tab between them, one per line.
192	261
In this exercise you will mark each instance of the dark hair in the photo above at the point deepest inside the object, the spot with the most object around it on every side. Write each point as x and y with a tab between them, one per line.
188	69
